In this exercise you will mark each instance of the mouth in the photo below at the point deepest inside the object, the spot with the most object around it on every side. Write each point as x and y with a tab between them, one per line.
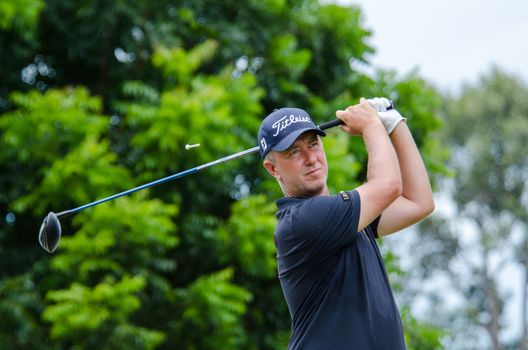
312	172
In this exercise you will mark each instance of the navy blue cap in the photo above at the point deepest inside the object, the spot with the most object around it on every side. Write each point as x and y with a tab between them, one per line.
282	127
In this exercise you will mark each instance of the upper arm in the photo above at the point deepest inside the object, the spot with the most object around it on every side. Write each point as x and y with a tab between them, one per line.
375	197
416	200
400	214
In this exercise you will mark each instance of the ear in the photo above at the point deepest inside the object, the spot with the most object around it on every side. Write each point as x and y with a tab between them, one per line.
270	167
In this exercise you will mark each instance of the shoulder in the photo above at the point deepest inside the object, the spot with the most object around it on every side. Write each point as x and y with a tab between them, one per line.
317	226
343	199
320	210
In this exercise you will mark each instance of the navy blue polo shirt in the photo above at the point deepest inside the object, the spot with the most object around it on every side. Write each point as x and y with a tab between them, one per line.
333	277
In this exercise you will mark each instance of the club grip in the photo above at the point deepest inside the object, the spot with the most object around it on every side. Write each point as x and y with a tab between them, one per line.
330	124
337	122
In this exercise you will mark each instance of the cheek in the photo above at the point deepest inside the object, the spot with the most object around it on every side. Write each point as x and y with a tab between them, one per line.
289	170
322	159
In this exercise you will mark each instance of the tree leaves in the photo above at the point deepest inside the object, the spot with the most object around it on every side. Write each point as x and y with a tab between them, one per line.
212	305
78	313
188	264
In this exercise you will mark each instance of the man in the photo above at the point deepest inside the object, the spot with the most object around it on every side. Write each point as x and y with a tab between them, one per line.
329	265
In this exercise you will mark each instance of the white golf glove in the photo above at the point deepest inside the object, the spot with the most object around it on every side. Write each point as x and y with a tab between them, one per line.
389	116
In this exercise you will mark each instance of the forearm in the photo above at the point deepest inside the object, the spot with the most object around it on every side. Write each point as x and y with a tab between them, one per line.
383	185
415	180
382	163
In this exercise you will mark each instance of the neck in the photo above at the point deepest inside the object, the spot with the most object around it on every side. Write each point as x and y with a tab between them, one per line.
322	192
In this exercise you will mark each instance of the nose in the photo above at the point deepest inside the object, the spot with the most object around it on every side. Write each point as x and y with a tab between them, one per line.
310	157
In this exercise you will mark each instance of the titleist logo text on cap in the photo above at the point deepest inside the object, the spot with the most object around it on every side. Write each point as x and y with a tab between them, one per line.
286	121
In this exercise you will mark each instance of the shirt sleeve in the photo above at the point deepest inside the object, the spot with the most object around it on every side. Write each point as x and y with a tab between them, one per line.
372	228
325	224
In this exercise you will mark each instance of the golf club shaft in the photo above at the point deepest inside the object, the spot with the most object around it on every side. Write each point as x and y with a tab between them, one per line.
255	149
160	181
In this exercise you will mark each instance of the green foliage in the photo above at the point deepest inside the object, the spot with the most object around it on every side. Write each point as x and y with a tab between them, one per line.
420	335
20	303
110	94
20	16
179	65
95	317
345	166
290	62
44	126
213	306
420	105
247	237
89	163
218	112
137	242
140	91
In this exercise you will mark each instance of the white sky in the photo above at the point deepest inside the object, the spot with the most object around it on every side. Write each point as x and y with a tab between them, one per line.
449	41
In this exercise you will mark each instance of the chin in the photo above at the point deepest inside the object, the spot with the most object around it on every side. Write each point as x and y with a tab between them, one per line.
316	190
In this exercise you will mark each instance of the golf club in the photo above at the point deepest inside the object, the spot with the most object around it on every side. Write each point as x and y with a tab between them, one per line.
50	230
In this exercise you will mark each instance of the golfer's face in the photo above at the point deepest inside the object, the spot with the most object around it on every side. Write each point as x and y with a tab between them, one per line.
302	167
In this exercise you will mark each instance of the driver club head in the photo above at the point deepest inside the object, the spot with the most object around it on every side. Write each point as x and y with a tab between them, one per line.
50	232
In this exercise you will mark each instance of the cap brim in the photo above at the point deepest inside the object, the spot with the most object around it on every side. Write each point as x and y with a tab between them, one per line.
290	139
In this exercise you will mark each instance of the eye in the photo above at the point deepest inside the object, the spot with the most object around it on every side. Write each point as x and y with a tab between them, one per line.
293	153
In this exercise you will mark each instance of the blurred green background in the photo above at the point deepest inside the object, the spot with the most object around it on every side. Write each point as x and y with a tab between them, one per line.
99	96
